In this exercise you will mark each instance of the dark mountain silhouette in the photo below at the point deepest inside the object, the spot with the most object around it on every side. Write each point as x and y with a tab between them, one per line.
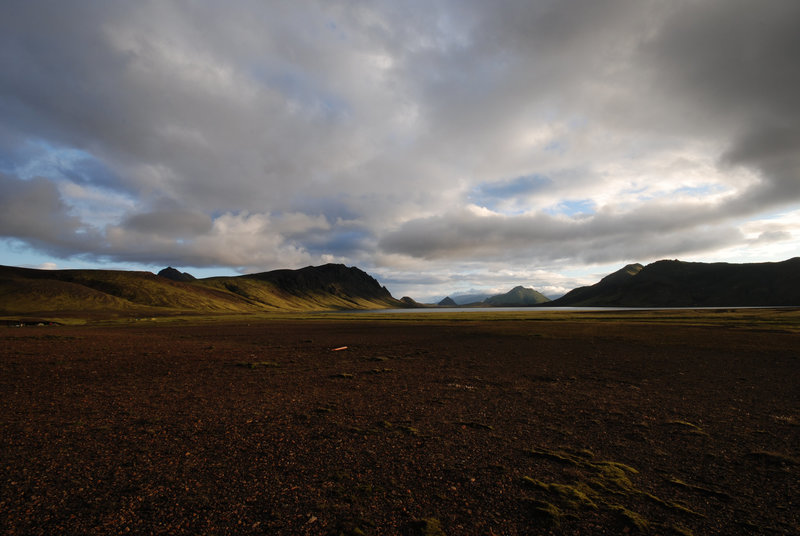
607	289
447	302
518	296
171	273
673	283
26	291
332	286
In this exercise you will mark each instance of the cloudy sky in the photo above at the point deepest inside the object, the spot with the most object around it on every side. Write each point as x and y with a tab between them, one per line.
440	146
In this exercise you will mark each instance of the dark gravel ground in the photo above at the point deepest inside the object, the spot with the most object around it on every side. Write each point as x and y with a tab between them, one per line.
464	427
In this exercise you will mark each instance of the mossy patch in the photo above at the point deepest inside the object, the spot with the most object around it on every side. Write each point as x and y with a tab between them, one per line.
380	371
631	519
258	364
423	527
547	512
700	489
773	459
475	425
409	430
596	485
687	427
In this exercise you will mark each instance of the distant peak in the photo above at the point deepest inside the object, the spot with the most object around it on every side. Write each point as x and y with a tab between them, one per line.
518	296
171	273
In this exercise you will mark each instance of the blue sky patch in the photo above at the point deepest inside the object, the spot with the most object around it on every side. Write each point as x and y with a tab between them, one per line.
574	207
504	192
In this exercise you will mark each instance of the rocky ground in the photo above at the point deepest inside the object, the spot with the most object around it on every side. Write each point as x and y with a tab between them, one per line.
438	427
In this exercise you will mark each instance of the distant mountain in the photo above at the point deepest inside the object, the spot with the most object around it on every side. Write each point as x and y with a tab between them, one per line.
673	283
469	299
171	273
104	293
411	302
517	297
447	302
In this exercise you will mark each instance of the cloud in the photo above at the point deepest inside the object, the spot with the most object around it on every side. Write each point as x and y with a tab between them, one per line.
545	239
33	211
398	136
169	223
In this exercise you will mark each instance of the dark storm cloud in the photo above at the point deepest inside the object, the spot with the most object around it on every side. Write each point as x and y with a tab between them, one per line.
730	69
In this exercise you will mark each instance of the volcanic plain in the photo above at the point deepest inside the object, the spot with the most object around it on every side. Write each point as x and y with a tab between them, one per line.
684	422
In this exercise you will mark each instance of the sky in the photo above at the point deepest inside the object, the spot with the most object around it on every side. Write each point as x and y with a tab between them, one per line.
443	147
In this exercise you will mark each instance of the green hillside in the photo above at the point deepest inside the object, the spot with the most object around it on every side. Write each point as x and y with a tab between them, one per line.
517	297
118	293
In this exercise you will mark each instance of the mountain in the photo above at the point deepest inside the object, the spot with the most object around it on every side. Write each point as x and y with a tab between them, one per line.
517	297
447	302
470	299
673	283
100	293
607	289
171	273
332	286
411	303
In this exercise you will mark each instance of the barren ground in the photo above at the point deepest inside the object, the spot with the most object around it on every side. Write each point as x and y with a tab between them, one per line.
504	426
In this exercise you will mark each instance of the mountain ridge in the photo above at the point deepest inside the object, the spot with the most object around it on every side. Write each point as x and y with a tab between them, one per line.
28	291
674	283
119	293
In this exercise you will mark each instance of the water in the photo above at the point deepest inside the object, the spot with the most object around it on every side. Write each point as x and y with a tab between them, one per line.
502	309
425	310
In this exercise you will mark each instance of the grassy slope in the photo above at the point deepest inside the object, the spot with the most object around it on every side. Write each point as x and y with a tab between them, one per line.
266	295
74	292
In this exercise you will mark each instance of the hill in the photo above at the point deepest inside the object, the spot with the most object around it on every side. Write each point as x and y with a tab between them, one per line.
607	290
518	296
332	286
447	302
673	283
67	293
171	273
471	299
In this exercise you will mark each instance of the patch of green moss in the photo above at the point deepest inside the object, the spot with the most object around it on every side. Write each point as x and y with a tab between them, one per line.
700	489
688	427
545	511
772	458
681	531
380	371
574	496
258	364
423	527
475	425
554	455
533	483
631	519
410	430
598	485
